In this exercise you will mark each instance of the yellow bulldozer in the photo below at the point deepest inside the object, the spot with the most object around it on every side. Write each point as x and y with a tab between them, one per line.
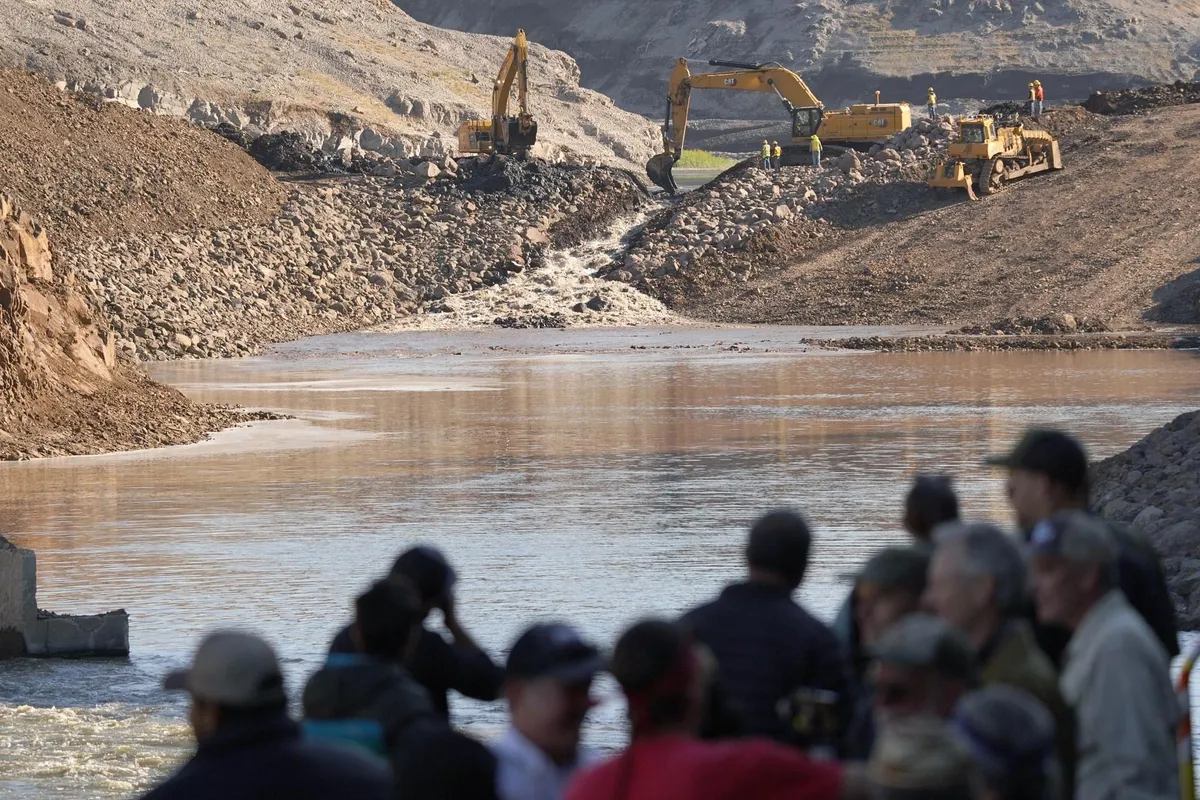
504	134
858	126
988	155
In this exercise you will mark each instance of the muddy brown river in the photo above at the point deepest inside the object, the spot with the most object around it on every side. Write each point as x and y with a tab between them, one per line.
593	476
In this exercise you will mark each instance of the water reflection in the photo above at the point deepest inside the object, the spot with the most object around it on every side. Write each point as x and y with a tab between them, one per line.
595	486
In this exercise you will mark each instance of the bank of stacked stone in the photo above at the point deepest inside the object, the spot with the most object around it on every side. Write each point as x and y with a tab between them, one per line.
345	254
731	213
1154	487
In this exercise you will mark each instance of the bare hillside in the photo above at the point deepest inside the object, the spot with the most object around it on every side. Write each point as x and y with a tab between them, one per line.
968	48
347	73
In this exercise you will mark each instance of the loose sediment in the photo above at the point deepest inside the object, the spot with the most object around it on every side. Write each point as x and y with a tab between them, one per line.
1154	487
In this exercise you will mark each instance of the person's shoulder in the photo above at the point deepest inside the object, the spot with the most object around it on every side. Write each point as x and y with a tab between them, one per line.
596	781
338	765
766	765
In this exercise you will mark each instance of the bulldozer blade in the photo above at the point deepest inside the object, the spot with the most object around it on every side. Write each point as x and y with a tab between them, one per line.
659	170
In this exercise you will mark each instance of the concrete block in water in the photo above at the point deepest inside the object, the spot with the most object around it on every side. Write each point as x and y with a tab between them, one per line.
26	631
18	601
70	635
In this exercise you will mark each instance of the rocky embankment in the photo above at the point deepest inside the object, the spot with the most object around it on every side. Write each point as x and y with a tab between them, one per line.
715	233
1154	487
63	390
346	254
1131	101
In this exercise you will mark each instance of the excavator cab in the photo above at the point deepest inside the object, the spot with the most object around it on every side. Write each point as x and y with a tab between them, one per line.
805	122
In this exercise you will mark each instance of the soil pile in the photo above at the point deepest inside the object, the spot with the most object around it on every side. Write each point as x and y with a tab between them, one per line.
1131	101
88	170
62	389
1154	487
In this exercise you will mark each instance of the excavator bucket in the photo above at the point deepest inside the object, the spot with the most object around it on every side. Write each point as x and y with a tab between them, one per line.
952	175
659	170
521	138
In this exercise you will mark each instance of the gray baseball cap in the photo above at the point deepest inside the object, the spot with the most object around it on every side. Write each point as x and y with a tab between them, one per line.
923	640
234	669
1075	536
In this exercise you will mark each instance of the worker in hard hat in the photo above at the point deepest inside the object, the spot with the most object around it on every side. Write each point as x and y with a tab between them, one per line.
1032	101
931	102
814	147
1039	95
766	154
776	155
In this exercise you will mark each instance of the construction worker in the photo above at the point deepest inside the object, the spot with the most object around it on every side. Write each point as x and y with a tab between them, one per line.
814	147
931	102
1032	101
766	154
776	155
1038	96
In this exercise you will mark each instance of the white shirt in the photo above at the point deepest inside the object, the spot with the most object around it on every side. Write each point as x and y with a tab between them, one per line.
524	772
1117	678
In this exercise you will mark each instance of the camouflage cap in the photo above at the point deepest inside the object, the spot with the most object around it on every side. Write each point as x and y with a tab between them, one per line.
923	640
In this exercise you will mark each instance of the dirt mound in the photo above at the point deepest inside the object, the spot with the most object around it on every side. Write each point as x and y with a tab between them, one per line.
1110	237
62	389
1006	109
88	169
291	152
1131	101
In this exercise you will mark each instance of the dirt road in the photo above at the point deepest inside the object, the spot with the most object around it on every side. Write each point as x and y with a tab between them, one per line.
1113	236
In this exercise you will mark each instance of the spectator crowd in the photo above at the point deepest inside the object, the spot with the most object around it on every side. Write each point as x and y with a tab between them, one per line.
969	664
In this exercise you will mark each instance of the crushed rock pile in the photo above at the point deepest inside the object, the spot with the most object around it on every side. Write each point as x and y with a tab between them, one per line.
1154	487
731	213
1129	101
1049	325
62	389
344	254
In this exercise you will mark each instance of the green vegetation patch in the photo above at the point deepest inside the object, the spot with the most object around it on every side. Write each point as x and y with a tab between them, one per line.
702	159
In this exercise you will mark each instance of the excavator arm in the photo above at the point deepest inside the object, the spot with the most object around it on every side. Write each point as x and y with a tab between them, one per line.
513	134
799	101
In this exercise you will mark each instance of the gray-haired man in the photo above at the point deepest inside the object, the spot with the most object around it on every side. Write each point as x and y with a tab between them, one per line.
1116	674
977	582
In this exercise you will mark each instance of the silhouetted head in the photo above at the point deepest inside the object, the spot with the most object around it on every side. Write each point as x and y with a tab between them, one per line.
777	550
387	618
664	677
931	502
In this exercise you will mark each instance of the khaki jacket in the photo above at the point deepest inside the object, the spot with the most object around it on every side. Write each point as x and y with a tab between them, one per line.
1018	662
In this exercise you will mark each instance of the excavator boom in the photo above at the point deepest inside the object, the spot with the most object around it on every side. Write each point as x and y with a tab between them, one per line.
510	135
865	123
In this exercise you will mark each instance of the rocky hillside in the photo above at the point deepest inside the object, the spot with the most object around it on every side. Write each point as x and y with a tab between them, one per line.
968	48
62	389
1154	487
346	73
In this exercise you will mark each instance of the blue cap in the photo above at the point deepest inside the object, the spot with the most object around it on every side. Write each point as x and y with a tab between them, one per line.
553	650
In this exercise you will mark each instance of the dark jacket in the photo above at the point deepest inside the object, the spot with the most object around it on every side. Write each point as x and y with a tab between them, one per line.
268	760
1145	587
440	666
355	687
767	647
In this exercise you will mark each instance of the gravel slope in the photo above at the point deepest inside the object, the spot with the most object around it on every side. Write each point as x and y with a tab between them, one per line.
1112	237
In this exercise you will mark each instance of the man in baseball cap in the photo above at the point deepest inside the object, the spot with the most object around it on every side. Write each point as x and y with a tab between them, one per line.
1048	474
548	681
247	746
922	668
1116	673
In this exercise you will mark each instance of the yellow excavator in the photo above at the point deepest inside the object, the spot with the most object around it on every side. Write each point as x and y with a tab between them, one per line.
988	155
858	126
504	134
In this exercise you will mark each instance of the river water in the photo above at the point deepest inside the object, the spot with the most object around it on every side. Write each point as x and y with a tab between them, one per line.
568	474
